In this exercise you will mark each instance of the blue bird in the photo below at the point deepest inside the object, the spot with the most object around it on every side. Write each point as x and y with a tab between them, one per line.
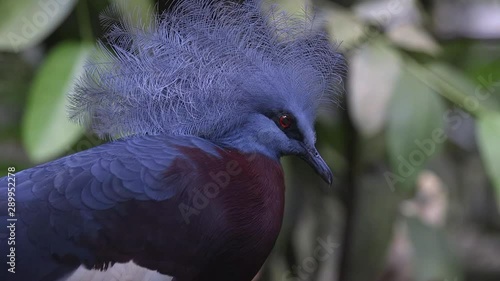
201	103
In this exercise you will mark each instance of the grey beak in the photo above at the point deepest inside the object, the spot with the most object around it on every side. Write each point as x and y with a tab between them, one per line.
319	165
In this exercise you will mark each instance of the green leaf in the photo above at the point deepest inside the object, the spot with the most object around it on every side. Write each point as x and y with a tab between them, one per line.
432	257
487	76
489	137
138	12
413	38
344	27
26	23
47	132
298	8
386	13
415	129
374	70
469	95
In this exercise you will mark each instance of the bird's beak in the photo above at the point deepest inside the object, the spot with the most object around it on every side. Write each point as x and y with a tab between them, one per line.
313	158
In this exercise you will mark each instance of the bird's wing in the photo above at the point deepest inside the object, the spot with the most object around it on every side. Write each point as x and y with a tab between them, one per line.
66	209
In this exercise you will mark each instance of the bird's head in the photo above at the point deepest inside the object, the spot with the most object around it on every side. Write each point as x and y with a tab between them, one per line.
230	73
280	132
279	114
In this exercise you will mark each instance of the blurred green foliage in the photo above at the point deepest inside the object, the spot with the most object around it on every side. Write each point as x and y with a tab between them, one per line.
44	123
414	142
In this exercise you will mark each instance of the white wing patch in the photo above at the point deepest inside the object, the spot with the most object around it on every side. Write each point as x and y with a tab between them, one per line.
118	272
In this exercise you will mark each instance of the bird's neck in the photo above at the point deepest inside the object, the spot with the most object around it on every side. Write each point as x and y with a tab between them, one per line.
249	146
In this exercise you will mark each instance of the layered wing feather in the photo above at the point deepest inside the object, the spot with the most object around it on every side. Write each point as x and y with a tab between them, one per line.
64	208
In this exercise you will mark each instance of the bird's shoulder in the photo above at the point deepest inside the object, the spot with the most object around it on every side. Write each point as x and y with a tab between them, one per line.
130	168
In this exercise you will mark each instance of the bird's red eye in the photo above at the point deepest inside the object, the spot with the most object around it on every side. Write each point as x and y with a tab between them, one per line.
285	121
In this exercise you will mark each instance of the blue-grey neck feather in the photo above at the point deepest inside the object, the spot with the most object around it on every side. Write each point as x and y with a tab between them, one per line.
199	69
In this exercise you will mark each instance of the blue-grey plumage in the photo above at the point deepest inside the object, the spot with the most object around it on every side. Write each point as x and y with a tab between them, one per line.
208	87
201	69
56	201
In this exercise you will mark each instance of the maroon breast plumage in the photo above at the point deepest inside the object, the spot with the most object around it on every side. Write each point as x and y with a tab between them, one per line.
221	225
239	209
